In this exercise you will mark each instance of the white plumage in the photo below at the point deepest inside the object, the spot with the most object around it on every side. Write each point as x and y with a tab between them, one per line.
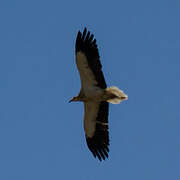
119	93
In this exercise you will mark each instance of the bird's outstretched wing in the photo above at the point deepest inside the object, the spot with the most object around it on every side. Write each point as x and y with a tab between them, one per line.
96	128
96	113
88	61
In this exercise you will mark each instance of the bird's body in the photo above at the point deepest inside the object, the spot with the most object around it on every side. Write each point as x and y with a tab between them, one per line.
97	94
94	94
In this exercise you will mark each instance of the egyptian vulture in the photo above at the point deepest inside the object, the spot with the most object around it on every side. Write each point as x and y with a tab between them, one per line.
94	94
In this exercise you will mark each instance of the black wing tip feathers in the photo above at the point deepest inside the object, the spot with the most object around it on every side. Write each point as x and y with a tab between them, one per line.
85	40
98	149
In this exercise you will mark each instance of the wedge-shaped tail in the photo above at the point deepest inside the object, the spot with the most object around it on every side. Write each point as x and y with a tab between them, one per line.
117	95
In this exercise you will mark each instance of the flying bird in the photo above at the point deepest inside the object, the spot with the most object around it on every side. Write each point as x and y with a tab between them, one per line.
95	95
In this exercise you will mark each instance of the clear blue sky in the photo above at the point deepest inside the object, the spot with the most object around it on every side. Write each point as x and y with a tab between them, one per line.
41	135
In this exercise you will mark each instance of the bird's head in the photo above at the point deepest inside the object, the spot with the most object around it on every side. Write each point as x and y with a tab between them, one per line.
74	99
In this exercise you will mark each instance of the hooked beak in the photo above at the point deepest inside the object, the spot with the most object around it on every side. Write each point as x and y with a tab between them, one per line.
71	100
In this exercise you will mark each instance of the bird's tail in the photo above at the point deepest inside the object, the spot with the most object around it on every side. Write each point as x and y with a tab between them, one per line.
116	95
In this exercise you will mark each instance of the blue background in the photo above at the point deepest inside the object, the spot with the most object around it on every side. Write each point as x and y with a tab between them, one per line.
41	135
